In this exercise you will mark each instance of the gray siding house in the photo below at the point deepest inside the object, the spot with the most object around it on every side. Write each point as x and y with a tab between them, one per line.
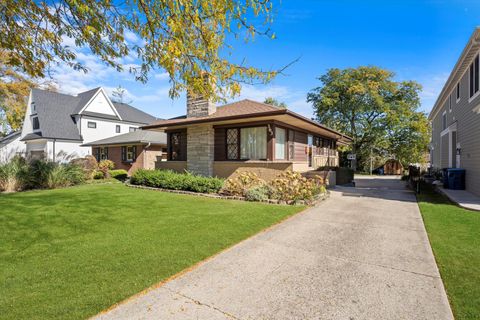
455	118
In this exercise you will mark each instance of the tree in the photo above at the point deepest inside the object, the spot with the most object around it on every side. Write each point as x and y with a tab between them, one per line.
380	114
187	38
274	102
119	94
14	90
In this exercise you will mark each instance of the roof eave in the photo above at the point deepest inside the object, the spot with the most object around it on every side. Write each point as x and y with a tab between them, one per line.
474	40
246	116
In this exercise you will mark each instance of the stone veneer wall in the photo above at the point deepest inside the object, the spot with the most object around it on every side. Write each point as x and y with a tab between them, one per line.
200	149
199	107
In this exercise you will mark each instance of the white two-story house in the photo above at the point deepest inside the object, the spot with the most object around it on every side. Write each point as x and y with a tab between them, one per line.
56	124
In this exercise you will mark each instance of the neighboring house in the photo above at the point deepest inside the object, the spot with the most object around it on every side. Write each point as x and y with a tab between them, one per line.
246	135
56	124
10	145
455	118
133	150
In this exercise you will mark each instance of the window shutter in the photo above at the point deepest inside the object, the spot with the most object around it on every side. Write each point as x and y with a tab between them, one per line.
124	153
106	152
134	149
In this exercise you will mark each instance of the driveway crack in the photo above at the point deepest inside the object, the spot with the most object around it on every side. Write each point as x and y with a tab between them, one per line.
229	315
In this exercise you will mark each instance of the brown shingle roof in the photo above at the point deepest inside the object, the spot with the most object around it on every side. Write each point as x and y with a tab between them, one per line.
239	110
243	107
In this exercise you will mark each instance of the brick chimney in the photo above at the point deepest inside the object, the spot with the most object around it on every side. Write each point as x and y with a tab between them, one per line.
198	106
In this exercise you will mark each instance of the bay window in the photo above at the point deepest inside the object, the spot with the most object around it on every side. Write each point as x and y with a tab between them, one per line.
253	143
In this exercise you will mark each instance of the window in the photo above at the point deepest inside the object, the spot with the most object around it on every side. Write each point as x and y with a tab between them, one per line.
92	125
474	77
175	146
132	129
232	144
101	153
291	144
280	141
458	91
35	123
444	121
117	128
129	153
253	143
34	109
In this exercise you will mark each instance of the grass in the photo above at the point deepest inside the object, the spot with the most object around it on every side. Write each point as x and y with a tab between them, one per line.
455	238
70	253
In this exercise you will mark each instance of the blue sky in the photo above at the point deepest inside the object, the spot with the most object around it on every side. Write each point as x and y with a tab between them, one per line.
418	40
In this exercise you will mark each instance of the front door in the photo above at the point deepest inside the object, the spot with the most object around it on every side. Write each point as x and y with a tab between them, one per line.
310	150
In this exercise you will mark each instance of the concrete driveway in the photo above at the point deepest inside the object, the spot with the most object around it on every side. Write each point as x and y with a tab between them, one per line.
362	254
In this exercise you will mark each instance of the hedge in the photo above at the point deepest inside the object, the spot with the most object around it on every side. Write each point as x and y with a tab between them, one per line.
119	174
168	179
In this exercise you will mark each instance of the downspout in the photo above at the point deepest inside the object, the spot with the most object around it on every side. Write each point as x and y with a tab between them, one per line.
54	140
145	153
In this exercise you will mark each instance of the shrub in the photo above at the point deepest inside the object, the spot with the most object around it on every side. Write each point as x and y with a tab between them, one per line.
167	179
38	173
14	175
89	165
64	175
259	193
105	166
119	174
239	185
97	175
291	186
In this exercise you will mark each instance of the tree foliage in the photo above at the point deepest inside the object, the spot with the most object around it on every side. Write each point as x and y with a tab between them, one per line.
380	114
187	38
274	102
14	89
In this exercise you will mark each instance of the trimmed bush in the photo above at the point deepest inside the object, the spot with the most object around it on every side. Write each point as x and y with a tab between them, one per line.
168	179
89	165
291	187
259	193
119	174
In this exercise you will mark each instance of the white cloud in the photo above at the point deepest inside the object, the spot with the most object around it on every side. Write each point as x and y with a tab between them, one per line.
162	76
432	86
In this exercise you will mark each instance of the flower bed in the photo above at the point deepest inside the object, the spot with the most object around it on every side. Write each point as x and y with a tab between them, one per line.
288	188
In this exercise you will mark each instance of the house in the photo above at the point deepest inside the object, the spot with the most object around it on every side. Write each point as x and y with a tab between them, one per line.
10	146
56	125
132	150
246	135
455	118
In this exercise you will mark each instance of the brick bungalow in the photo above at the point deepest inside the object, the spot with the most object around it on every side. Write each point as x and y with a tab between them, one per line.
246	136
133	150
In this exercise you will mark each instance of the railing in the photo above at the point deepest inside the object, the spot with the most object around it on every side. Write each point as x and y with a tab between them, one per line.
325	161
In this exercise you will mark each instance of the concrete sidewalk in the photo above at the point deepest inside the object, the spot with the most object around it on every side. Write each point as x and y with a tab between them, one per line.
362	254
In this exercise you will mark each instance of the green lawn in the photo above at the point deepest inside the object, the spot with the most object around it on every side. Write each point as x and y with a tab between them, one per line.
70	253
455	238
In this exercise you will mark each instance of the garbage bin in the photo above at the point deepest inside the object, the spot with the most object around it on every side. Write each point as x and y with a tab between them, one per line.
456	179
445	178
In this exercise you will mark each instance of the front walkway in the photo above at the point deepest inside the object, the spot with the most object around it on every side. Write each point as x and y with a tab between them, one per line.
362	254
463	198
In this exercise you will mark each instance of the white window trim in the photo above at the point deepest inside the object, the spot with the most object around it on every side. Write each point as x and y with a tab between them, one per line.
444	114
88	124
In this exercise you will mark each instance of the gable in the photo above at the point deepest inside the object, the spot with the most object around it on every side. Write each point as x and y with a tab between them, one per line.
100	104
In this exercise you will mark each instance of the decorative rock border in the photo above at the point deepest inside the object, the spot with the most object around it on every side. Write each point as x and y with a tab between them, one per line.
320	198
